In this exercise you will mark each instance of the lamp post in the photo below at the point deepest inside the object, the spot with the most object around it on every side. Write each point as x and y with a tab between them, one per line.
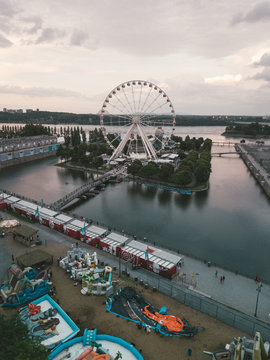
259	288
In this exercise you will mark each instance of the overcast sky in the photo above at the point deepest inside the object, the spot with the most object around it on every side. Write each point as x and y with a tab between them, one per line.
210	56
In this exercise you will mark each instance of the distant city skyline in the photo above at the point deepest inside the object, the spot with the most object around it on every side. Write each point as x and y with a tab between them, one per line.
210	57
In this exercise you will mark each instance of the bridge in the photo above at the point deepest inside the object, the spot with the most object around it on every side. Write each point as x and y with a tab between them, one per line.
219	154
224	143
92	184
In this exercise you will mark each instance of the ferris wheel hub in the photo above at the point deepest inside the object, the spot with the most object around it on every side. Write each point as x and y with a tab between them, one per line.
136	119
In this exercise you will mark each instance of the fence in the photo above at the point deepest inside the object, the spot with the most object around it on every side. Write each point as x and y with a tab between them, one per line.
206	305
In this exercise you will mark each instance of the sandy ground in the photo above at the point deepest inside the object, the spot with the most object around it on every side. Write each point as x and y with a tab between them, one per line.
90	312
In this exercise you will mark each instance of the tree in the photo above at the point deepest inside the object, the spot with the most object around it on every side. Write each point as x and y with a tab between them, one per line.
16	343
181	154
67	140
134	168
202	172
183	176
83	136
166	171
207	145
149	170
97	162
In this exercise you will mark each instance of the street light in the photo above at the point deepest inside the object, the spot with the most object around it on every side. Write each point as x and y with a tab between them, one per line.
259	288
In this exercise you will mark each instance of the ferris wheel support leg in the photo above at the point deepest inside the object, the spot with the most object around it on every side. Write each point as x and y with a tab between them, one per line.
122	144
147	151
148	144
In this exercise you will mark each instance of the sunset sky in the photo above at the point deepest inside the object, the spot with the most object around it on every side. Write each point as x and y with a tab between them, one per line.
210	57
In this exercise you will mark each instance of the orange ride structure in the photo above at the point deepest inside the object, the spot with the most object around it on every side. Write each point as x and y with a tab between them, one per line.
131	305
171	322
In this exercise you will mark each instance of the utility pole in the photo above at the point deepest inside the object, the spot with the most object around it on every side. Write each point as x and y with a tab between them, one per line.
119	266
259	288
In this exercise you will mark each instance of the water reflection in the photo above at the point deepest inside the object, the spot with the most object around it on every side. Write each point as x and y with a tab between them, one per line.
201	198
164	196
149	192
144	191
183	201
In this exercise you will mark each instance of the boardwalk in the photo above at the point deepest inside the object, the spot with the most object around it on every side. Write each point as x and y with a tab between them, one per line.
92	184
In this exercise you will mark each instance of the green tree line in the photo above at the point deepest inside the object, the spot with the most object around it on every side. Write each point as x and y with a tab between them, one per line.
194	167
47	117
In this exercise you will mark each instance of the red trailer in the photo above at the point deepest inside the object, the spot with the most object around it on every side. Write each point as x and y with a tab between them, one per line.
46	215
11	201
74	228
159	261
59	221
4	196
113	242
93	235
25	207
3	205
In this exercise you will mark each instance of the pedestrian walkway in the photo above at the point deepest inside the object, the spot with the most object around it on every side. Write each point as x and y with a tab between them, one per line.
236	291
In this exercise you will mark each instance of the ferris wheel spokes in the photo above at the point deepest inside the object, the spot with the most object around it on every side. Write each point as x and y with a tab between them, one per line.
121	110
135	105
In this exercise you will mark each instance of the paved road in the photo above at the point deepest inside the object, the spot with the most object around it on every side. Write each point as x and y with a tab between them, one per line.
237	291
255	163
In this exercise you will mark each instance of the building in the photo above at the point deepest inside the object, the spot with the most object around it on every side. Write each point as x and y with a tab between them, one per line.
19	150
25	235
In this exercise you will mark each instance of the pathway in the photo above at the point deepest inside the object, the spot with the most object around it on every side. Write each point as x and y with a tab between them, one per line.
237	291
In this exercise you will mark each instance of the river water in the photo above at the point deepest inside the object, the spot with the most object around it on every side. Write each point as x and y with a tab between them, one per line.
227	225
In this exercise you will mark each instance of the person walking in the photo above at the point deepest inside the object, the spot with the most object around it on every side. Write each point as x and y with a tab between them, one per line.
256	278
216	273
221	278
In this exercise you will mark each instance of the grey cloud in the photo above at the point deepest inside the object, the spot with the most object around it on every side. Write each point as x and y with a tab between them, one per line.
264	60
78	38
35	24
4	42
39	92
260	11
49	34
223	99
263	75
7	8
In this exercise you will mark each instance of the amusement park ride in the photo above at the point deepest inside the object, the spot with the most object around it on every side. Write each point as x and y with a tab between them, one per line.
139	107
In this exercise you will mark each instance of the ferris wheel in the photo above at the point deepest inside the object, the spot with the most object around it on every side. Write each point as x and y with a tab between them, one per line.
137	118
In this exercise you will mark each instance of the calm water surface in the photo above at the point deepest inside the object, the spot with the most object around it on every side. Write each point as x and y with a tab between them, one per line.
229	224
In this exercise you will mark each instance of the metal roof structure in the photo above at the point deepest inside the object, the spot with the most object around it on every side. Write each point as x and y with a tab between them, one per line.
115	239
62	218
94	231
158	256
12	199
77	224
